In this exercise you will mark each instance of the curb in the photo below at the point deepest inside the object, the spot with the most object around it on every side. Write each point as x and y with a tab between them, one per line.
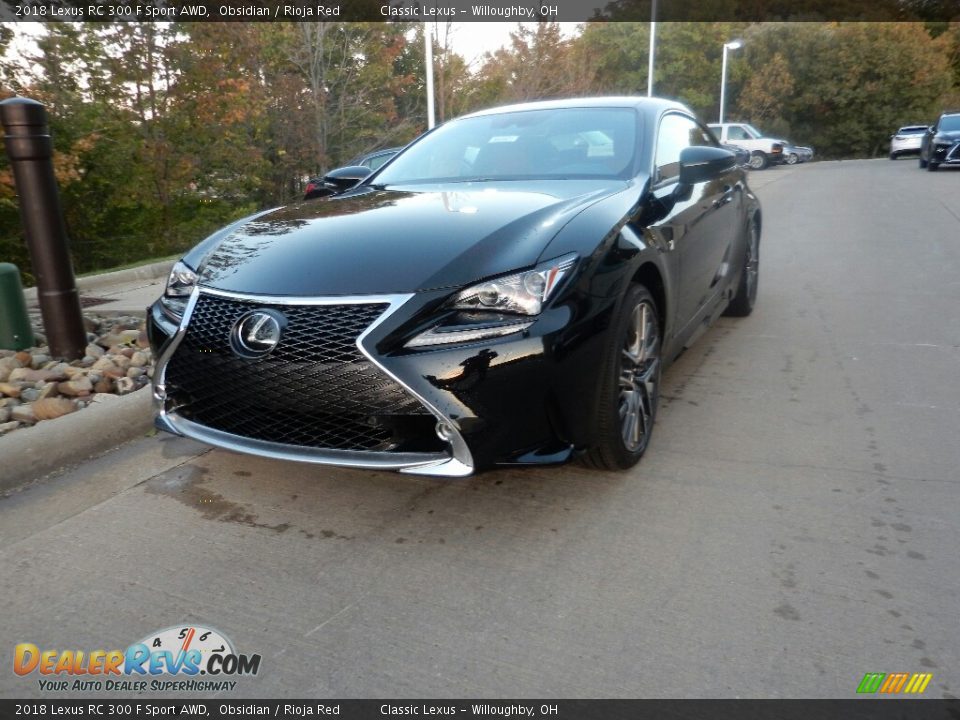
30	453
92	282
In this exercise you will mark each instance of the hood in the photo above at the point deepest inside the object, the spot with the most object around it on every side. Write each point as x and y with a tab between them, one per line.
382	241
949	135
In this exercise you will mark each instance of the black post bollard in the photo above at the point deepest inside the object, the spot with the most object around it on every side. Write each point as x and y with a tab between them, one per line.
30	151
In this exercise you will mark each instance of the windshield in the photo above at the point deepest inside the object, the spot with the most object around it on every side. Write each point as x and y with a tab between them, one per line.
531	144
949	123
753	131
912	130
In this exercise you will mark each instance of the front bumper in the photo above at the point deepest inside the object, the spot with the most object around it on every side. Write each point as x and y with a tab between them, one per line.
944	154
903	147
476	404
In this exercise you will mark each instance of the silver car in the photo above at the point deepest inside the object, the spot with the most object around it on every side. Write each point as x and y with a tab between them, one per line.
906	141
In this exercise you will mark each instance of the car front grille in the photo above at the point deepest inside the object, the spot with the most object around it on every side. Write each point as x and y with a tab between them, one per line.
316	389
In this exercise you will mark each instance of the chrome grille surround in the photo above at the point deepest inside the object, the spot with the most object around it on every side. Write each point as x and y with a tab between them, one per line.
456	462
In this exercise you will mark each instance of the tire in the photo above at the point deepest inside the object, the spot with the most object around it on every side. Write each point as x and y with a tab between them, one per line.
746	297
629	392
893	156
932	166
792	159
758	160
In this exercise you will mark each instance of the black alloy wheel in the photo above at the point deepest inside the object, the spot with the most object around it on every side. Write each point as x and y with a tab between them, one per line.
746	297
630	390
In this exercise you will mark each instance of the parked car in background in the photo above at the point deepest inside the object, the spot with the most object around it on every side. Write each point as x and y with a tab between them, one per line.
797	154
764	151
507	290
329	185
906	141
941	142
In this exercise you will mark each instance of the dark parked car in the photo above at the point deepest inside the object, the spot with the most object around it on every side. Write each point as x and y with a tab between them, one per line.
361	166
506	291
794	154
941	142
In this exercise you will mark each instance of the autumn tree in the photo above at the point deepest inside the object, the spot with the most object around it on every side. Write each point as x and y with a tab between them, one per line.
538	64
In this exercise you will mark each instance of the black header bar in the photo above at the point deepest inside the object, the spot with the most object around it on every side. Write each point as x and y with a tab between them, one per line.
475	10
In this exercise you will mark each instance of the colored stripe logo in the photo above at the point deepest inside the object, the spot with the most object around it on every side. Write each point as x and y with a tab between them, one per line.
894	683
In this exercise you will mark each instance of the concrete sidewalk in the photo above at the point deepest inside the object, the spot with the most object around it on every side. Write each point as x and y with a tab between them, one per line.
123	292
31	453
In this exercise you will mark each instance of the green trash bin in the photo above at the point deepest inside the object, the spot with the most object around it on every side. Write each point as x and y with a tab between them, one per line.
15	330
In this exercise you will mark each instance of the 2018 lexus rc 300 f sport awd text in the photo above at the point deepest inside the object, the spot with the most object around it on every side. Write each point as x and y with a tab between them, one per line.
506	290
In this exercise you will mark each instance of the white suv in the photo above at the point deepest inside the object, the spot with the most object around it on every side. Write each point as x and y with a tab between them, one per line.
906	141
764	151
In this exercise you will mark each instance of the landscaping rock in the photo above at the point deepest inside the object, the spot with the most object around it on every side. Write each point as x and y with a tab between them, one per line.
34	386
23	413
125	385
51	408
78	386
11	389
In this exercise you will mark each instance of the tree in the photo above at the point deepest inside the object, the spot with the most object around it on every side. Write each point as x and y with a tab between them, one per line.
852	82
539	64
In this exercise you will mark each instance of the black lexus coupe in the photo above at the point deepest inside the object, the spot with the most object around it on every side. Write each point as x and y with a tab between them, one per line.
506	291
941	142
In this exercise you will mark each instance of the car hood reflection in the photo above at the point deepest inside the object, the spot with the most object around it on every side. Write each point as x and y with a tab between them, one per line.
398	240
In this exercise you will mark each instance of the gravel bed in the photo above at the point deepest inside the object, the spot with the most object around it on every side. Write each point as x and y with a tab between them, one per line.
34	386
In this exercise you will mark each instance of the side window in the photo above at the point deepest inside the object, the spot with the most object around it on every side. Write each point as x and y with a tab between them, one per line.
736	132
377	161
676	133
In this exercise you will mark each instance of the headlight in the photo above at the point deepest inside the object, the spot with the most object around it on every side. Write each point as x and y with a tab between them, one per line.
180	285
493	305
523	293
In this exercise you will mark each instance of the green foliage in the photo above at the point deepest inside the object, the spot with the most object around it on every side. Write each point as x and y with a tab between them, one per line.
686	66
851	84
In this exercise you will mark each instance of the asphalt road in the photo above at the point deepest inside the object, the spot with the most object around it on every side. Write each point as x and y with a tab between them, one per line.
793	526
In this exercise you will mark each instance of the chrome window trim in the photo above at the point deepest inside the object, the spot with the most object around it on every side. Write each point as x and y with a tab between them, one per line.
458	464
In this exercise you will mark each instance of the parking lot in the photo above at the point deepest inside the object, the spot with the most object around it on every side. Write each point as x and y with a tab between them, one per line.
793	526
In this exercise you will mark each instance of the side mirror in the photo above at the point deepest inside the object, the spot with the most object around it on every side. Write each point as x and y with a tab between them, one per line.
932	129
342	179
701	163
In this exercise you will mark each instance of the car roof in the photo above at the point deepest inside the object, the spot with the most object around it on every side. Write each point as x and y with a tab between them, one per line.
651	105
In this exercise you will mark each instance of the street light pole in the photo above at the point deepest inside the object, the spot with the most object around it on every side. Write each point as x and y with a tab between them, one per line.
653	40
428	60
732	45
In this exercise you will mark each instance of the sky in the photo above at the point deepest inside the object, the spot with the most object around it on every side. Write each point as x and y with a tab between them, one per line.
473	39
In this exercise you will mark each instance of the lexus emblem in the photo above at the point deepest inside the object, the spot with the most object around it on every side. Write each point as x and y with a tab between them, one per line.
256	333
